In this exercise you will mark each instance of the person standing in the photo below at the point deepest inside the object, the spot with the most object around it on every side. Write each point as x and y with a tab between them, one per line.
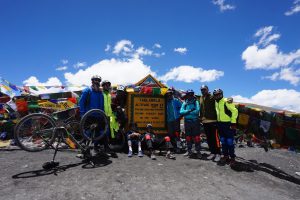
226	117
190	111
113	124
92	98
173	118
208	117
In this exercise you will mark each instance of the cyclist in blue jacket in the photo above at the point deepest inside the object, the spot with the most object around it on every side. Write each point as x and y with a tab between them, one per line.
173	118
190	110
92	98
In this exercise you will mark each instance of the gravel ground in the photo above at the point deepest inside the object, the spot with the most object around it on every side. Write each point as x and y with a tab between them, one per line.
259	175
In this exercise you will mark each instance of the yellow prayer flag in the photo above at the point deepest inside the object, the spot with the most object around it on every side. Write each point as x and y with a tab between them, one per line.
163	91
129	90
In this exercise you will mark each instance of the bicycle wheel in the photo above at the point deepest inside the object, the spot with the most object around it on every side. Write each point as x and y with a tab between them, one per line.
94	125
73	128
35	132
117	143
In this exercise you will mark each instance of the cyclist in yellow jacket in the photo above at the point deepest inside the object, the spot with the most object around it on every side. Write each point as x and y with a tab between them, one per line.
113	124
226	117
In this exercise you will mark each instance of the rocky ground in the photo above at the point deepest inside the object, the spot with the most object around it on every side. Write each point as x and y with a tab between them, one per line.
259	175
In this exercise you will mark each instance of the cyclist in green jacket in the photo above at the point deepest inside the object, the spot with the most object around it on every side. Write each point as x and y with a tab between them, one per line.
226	117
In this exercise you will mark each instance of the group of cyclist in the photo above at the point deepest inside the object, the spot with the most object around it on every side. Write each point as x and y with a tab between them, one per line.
217	114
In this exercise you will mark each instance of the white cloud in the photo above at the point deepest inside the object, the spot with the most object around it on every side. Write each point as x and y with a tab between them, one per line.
64	61
157	55
265	35
273	77
268	58
126	48
156	45
52	81
123	46
141	51
108	47
62	68
33	81
286	74
282	98
189	74
264	55
294	9
222	6
79	64
126	71
181	50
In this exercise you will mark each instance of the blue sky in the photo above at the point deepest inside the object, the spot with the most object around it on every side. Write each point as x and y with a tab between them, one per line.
249	48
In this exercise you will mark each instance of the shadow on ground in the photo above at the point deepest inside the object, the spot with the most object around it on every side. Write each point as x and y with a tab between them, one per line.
95	162
243	165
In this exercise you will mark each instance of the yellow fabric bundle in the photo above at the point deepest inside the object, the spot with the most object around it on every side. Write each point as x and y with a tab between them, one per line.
243	119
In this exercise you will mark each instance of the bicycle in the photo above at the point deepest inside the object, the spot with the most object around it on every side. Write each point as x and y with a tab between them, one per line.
38	131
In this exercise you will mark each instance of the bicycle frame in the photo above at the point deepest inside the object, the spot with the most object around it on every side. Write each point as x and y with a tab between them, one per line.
58	134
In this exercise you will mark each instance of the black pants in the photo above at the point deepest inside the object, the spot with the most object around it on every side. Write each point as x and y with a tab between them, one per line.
212	137
227	138
192	133
174	131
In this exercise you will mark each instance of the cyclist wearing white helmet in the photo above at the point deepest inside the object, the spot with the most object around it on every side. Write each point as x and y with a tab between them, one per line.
92	98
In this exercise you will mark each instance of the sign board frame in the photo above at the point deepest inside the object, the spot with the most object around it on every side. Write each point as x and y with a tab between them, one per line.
130	110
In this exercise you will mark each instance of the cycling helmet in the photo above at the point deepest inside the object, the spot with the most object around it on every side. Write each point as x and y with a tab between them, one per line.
105	82
190	92
217	91
121	87
96	77
218	94
149	126
229	99
203	87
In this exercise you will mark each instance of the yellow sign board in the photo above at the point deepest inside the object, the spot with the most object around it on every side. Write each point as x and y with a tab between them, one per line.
147	109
